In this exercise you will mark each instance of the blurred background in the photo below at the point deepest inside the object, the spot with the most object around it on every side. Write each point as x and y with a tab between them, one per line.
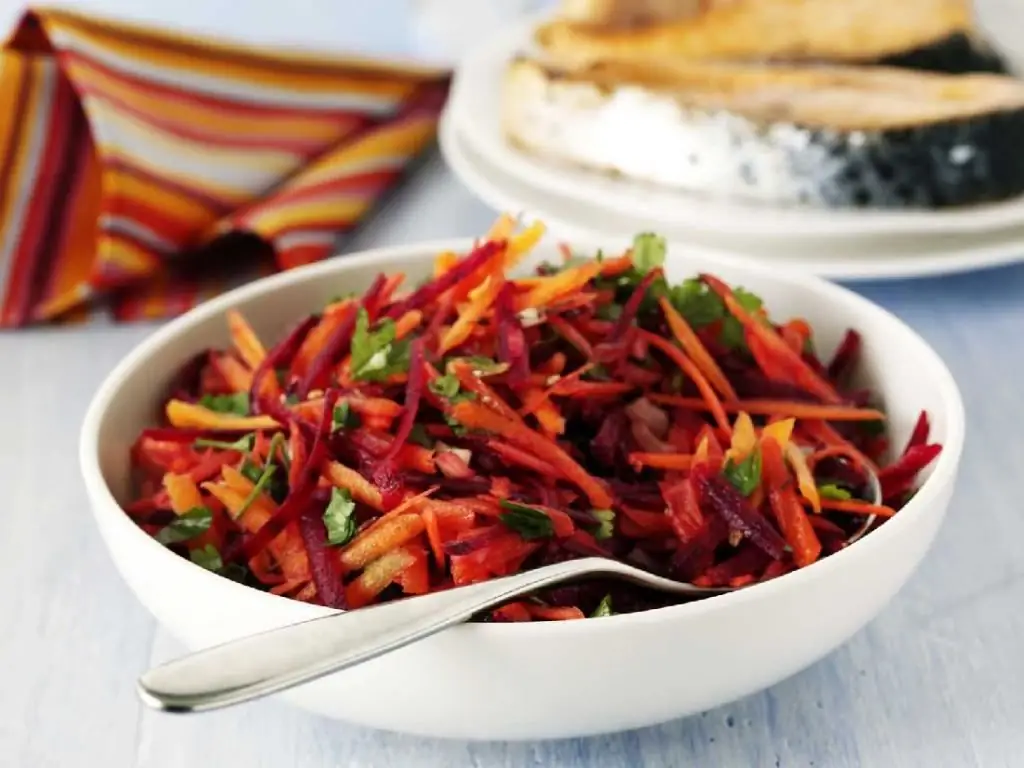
435	30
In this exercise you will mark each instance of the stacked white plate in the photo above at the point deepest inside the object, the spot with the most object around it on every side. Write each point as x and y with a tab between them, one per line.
589	206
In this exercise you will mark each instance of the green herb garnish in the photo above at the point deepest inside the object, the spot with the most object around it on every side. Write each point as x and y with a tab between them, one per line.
446	386
528	522
604	608
261	482
339	517
207	557
697	303
649	252
484	366
376	355
834	492
236	404
243	444
732	335
746	475
606	523
251	471
344	417
193	523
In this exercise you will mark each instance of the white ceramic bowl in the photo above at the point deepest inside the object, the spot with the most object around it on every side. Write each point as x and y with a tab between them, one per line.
540	680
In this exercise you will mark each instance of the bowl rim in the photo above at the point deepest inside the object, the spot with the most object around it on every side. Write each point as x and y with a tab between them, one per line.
107	509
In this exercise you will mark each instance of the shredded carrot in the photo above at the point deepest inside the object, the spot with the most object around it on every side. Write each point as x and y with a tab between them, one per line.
551	613
857	507
380	540
675	461
558	285
478	417
245	340
691	370
693	347
190	415
471	314
237	375
802	373
793	409
183	493
582	413
408	323
357	485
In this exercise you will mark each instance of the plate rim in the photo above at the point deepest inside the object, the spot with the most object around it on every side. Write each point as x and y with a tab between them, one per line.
907	266
475	104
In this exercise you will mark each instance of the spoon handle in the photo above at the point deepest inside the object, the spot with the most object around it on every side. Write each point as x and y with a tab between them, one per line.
269	662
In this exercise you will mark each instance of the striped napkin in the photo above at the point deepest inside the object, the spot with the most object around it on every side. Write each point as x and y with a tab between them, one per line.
142	171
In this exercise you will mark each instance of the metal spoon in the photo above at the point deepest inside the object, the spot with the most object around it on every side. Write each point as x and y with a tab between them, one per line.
273	661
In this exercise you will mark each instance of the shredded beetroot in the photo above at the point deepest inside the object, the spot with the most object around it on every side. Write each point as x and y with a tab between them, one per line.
846	356
323	561
497	424
511	339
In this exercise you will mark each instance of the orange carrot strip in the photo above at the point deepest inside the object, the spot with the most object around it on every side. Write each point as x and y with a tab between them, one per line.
182	414
792	408
361	489
690	369
235	373
377	577
463	371
802	374
245	340
795	333
796	528
522	243
470	315
780	431
502	228
675	461
804	478
824	433
380	539
408	323
554	613
513	612
857	507
444	261
693	347
744	438
476	416
616	266
183	493
550	420
433	529
565	282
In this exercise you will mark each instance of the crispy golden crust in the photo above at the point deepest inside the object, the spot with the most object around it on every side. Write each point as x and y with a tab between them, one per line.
833	30
838	97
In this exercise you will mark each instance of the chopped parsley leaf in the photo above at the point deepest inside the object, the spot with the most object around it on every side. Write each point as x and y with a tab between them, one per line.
339	517
193	523
528	522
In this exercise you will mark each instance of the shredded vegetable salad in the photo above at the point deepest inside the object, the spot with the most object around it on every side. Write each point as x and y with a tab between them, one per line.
403	442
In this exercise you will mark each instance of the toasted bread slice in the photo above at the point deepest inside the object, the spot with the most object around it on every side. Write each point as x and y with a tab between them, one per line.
923	34
828	136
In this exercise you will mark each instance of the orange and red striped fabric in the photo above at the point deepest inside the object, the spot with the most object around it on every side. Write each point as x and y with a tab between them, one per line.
128	154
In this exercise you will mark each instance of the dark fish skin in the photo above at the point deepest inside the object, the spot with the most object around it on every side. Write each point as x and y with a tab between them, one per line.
956	54
951	164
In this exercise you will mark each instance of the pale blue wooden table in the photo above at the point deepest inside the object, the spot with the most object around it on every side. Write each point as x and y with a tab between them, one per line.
937	680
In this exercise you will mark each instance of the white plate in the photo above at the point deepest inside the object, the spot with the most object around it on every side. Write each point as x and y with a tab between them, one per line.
871	258
475	106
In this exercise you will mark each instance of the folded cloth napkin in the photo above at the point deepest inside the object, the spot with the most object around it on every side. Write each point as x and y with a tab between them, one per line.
130	156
